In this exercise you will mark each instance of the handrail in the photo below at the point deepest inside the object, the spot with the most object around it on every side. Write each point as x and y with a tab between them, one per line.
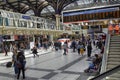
107	73
105	55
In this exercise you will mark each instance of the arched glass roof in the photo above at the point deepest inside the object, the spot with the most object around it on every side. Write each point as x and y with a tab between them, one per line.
47	9
90	3
40	7
30	12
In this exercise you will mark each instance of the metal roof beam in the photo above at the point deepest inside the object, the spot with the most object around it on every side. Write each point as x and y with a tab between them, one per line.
49	10
75	3
11	6
18	3
3	7
69	3
36	4
30	3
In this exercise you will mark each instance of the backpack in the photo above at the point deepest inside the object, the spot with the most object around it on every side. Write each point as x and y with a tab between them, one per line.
21	61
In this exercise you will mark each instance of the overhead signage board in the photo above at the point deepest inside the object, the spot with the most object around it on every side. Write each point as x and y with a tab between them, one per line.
79	12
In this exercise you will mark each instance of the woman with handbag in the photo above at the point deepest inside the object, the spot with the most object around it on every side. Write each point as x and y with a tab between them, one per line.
21	62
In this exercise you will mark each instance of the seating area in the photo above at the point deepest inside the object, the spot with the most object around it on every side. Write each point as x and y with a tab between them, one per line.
95	65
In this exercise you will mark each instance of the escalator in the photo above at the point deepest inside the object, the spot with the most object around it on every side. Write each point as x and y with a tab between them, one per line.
113	59
110	69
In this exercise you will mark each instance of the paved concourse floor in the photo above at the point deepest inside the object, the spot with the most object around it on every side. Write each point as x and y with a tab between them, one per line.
51	66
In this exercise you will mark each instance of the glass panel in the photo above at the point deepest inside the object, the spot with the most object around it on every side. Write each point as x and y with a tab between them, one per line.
30	12
7	14
19	23
45	25
15	21
40	25
33	18
1	21
35	24
31	25
52	26
23	23
38	19
11	15
3	13
61	27
18	16
10	22
6	22
47	10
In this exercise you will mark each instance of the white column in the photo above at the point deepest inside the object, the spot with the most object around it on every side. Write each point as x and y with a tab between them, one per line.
57	21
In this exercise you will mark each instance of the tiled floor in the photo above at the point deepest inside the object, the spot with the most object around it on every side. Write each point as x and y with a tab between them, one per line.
51	66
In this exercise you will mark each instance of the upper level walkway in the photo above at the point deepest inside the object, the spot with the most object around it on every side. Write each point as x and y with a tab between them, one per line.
51	66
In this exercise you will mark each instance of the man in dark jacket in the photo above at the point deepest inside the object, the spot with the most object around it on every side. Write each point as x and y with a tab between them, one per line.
89	50
21	64
74	45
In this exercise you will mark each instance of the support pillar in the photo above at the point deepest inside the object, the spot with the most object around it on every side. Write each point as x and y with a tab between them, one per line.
57	21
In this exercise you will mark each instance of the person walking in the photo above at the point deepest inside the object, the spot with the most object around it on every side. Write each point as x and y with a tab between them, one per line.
78	47
34	51
81	49
89	50
73	45
21	62
6	50
65	46
56	45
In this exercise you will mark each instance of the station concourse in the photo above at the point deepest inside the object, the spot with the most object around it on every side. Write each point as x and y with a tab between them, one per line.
60	39
50	65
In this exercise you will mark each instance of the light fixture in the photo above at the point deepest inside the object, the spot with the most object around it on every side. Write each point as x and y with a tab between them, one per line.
82	23
111	22
86	24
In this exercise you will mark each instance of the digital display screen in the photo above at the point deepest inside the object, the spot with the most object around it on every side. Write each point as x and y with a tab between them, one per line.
79	12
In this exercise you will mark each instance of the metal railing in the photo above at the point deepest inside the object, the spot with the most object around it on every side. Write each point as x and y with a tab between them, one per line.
107	73
105	55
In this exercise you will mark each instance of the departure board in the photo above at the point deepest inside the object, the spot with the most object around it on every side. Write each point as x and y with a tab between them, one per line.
92	14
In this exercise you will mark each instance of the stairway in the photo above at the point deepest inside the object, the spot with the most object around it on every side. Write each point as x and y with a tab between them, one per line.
114	56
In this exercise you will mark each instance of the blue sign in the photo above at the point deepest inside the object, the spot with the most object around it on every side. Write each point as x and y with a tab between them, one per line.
26	17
